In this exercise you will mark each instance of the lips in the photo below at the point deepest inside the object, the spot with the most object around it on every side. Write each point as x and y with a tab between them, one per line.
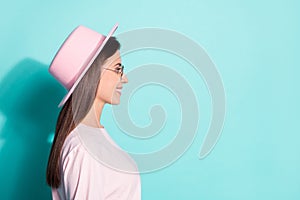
119	90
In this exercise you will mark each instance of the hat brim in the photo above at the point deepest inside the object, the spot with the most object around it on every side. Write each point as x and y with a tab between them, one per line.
67	96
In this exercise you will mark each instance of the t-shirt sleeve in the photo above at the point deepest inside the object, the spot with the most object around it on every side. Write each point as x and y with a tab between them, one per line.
82	176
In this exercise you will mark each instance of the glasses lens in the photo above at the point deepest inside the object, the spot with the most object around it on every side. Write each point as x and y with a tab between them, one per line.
122	70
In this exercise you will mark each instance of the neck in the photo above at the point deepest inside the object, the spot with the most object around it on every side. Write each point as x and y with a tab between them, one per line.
94	115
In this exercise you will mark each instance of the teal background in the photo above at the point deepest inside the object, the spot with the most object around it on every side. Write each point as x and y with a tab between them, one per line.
255	46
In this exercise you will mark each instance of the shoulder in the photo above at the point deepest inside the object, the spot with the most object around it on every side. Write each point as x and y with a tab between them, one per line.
89	145
71	144
82	143
74	155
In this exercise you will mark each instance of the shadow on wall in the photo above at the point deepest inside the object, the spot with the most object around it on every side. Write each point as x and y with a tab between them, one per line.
29	97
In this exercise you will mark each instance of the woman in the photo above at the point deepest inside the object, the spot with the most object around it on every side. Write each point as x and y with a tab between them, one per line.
84	162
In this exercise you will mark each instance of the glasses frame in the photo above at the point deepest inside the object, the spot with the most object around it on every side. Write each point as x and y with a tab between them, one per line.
121	71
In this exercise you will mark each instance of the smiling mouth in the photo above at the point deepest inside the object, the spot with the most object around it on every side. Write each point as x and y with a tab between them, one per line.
119	91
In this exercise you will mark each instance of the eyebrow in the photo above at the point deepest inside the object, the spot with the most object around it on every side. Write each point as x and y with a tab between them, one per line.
119	64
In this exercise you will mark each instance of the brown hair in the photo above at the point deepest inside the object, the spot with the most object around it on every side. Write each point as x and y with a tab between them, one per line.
75	109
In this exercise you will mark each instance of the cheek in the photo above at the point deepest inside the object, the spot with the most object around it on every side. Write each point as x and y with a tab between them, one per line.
106	89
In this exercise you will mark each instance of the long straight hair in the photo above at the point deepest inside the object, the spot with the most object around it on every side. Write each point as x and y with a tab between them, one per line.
75	109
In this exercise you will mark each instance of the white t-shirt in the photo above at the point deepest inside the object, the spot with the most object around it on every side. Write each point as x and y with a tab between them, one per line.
94	167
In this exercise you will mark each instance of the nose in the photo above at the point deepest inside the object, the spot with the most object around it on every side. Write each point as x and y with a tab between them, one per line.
124	79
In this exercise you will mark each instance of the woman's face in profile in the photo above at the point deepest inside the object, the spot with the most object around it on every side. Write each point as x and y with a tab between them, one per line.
110	85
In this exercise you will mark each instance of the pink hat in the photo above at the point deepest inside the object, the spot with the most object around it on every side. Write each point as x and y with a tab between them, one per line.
75	57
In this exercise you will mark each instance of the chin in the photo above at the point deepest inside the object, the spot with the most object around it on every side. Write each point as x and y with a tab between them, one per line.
115	101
